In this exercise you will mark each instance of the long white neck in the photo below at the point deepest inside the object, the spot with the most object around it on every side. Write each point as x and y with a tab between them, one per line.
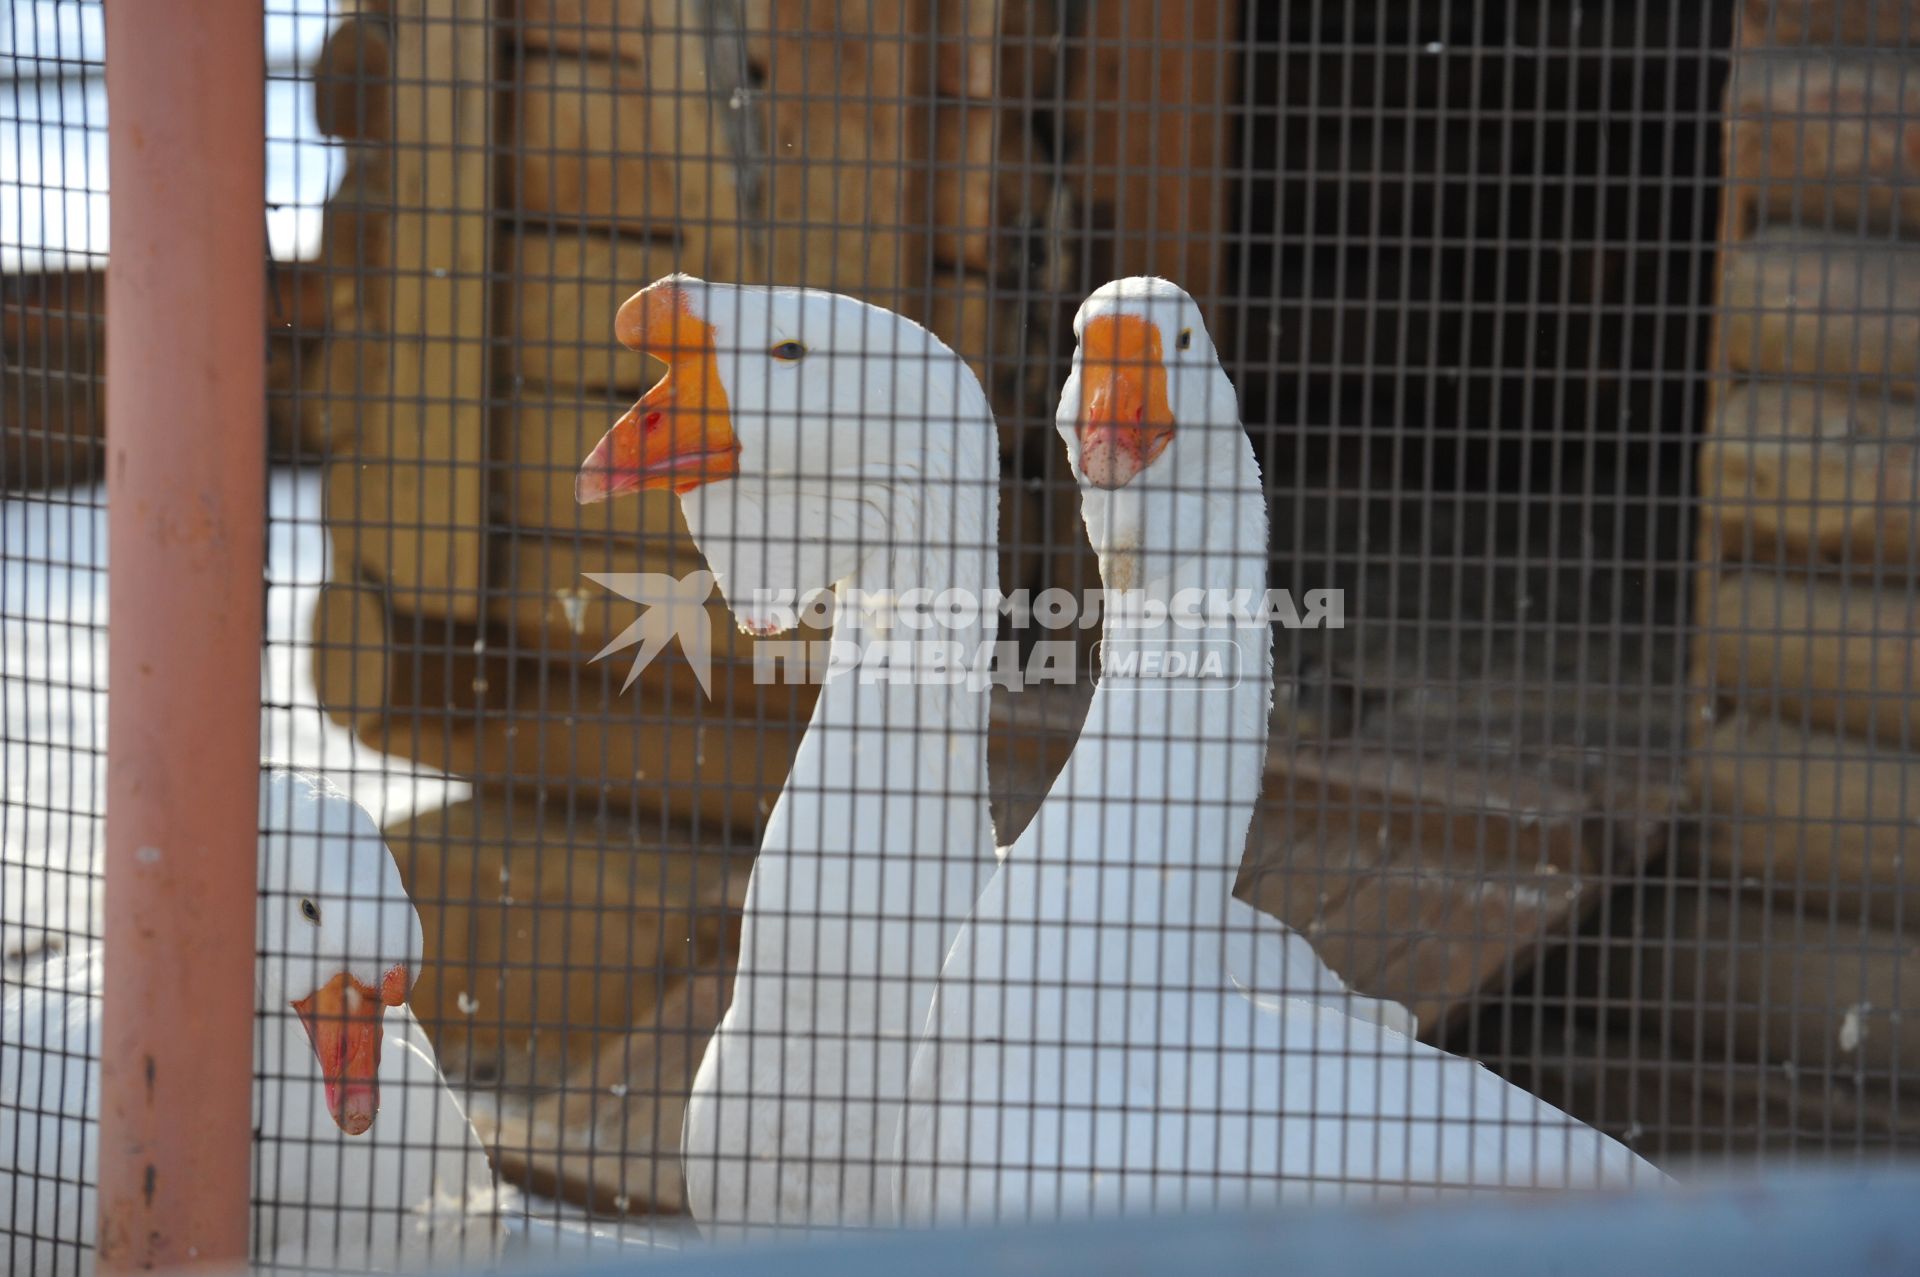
884	818
1177	761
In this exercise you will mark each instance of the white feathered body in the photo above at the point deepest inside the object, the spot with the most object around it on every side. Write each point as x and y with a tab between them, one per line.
795	1101
414	1190
881	838
1084	1066
1112	1032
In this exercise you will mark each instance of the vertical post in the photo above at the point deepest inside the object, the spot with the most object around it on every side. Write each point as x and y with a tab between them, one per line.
186	439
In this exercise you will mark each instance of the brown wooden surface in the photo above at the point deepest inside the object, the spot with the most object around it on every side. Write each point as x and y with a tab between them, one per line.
1151	90
1802	304
1422	880
552	934
1752	974
564	288
609	1137
1885	24
612	29
346	374
992	186
1690	1116
540	441
353	81
846	142
1825	141
543	600
1834	655
1819	478
604	144
413	484
1719	1022
350	652
1828	818
519	726
53	359
983	324
1003	49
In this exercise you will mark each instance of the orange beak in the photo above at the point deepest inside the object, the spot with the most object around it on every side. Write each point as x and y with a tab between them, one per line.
680	434
343	1022
1125	421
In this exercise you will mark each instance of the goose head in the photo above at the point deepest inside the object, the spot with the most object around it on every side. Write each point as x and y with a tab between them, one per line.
1151	424
340	939
801	429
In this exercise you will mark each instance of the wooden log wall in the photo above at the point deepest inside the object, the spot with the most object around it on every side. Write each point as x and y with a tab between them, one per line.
1802	896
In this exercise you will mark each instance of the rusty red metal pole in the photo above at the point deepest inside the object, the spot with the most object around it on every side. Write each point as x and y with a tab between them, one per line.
186	440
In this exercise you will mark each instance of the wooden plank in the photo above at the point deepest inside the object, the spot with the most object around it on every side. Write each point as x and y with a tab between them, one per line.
998	50
553	929
1849	505
541	441
1821	818
1749	974
1825	142
1147	130
987	327
1730	1020
993	193
354	267
666	762
610	145
1459	834
1837	656
610	1138
1883	24
350	652
1794	411
1688	1113
553	612
563	290
683	756
613	29
1421	881
353	81
846	175
1793	475
53	362
53	358
1805	305
461	703
407	501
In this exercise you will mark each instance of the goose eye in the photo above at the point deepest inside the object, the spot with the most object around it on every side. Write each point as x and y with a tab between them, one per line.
1186	339
310	911
788	352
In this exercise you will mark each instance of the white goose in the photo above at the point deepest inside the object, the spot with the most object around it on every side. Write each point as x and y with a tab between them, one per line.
1087	1049
362	1156
818	442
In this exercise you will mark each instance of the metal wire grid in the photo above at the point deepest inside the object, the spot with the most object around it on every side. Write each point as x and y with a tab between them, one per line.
1462	265
52	591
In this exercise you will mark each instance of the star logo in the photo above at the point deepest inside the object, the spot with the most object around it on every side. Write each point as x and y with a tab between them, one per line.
673	609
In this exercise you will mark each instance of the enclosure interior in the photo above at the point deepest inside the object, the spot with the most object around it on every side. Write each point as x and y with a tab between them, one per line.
1578	344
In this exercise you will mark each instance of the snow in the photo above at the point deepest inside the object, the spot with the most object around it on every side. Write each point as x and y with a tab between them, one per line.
53	705
53	133
53	674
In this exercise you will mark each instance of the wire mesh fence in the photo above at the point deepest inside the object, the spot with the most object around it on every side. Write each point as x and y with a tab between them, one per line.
1544	373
